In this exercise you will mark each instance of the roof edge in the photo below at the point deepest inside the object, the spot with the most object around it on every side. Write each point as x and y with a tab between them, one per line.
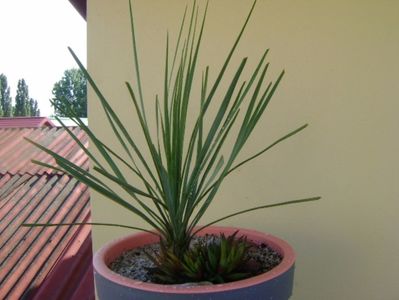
80	6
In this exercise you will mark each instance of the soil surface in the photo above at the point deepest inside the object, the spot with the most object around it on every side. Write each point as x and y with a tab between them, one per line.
135	263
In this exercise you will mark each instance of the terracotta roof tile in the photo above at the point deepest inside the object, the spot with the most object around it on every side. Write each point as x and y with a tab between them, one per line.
43	262
16	153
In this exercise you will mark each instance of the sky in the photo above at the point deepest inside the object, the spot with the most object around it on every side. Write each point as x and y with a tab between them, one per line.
34	36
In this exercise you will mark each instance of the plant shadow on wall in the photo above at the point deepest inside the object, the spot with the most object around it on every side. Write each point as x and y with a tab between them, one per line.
188	163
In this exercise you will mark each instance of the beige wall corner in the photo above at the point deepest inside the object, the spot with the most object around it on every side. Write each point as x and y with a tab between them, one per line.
341	59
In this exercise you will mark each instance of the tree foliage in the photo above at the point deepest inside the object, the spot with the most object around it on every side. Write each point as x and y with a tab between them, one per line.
71	90
24	105
21	99
1	107
34	110
5	98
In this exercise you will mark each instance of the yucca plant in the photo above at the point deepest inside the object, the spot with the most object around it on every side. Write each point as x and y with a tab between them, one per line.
188	163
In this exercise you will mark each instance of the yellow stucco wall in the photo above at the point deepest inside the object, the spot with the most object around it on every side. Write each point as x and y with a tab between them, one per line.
341	59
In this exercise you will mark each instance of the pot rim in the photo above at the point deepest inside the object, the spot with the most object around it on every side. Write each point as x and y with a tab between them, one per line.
114	248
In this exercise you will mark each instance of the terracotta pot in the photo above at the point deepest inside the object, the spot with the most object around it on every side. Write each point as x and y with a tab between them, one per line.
275	284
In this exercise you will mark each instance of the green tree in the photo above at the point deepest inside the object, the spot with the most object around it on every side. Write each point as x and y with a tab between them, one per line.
1	107
5	98
22	100
34	110
71	89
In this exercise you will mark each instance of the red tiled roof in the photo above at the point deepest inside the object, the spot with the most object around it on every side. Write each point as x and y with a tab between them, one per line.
25	122
43	262
16	153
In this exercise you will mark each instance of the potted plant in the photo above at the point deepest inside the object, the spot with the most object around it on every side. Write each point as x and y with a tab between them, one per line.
177	174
